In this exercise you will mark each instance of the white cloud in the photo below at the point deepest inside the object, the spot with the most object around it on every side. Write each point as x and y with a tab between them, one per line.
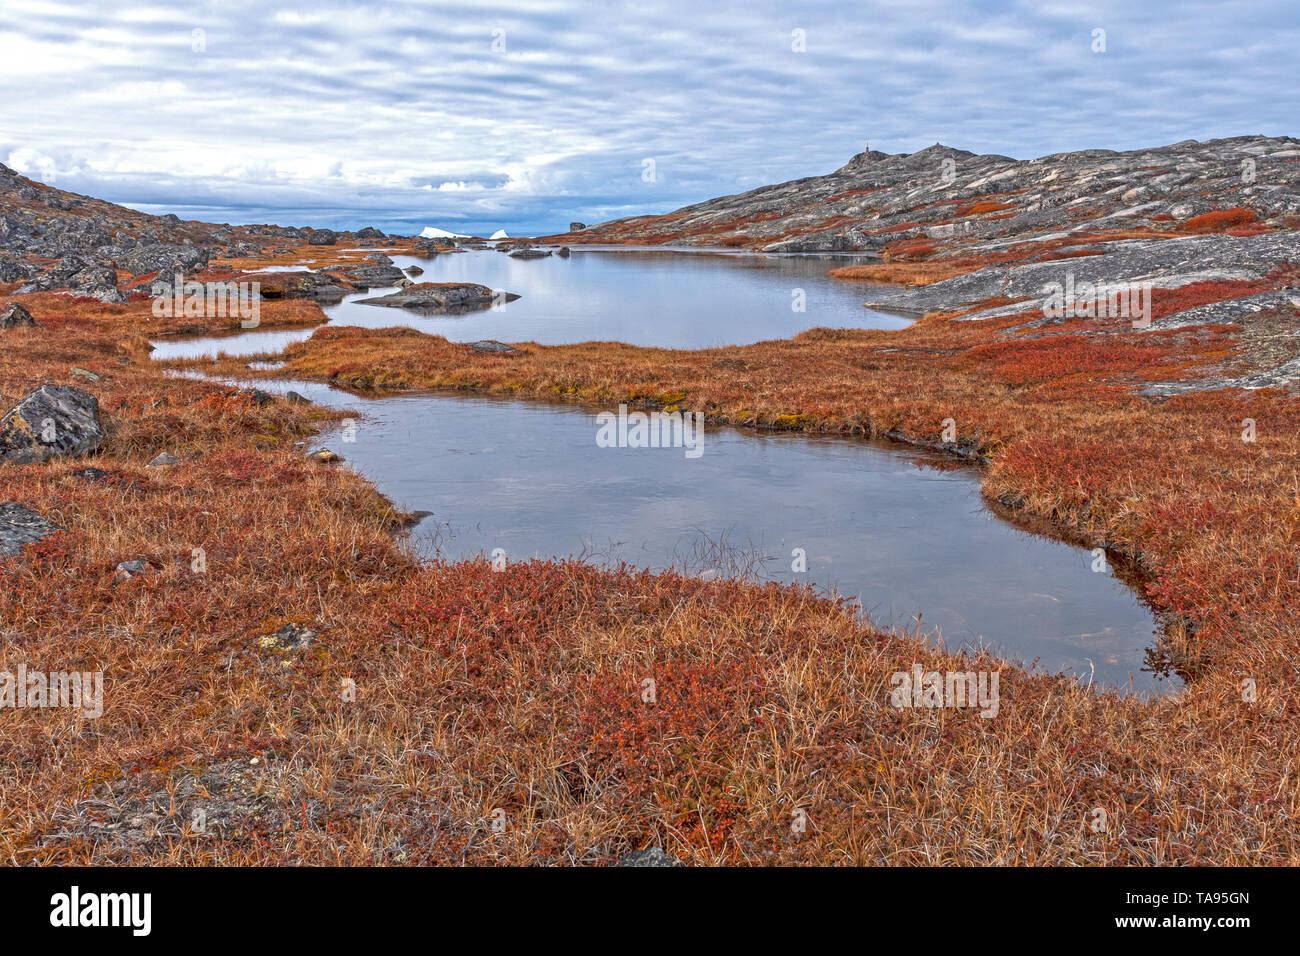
340	113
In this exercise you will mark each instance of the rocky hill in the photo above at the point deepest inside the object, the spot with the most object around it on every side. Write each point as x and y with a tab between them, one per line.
950	197
987	235
52	239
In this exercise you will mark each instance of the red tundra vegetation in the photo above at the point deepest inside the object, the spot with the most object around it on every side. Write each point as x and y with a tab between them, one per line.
478	697
1219	220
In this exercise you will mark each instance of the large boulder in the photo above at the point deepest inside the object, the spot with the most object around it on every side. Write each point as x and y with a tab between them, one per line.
323	237
320	286
14	315
165	257
21	526
367	275
431	247
97	282
53	420
441	297
14	270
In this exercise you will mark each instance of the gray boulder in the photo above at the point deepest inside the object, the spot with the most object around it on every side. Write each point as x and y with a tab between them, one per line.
373	275
14	270
431	247
14	315
321	286
160	257
440	297
97	282
492	346
53	420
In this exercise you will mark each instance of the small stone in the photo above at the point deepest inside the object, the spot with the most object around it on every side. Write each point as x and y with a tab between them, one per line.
323	456
129	569
291	637
562	252
258	396
651	856
296	399
85	373
165	460
492	346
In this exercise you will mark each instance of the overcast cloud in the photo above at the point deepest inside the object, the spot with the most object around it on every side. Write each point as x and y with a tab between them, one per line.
402	114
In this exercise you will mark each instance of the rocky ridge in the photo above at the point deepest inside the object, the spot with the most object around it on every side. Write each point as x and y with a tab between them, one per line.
55	240
956	197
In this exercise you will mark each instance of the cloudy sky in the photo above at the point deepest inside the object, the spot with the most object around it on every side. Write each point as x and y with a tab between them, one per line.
529	114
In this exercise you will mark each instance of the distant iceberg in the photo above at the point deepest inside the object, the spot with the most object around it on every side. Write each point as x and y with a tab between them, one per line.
499	234
433	232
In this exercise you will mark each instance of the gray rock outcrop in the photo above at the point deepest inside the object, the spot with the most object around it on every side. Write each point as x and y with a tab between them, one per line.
54	420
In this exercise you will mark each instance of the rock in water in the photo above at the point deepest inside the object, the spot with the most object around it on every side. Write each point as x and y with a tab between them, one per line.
441	297
14	315
53	420
21	526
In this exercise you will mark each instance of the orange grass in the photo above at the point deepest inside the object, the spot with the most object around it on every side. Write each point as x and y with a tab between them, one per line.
517	696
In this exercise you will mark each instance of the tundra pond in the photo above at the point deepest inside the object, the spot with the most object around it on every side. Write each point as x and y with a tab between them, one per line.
901	531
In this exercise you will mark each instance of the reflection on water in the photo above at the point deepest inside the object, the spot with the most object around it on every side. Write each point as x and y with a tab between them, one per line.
903	530
655	298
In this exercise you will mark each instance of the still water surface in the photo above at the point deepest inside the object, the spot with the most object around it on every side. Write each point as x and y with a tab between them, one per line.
904	531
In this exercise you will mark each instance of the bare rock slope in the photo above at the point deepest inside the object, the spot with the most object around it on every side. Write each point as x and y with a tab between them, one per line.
950	195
